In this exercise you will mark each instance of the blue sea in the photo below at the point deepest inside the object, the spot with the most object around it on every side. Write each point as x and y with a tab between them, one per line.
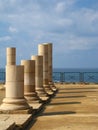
2	75
68	75
75	70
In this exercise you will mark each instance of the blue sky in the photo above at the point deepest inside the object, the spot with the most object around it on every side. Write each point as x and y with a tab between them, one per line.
71	25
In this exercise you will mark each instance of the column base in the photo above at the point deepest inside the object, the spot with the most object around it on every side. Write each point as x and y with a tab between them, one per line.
45	99
52	86
48	90
41	92
36	106
32	97
12	104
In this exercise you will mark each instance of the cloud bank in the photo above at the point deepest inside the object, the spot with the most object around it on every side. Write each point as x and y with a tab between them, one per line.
71	25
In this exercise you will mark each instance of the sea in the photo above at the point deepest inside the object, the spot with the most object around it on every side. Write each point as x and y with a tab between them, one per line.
2	75
75	69
70	75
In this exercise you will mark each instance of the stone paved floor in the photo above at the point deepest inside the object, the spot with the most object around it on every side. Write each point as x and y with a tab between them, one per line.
75	107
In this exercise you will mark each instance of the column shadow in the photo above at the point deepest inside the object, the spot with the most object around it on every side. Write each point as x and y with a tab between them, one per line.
76	92
63	103
57	113
77	88
70	96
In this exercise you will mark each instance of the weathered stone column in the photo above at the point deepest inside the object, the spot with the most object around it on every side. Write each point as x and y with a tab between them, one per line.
11	56
43	50
39	77
50	67
14	97
14	100
29	81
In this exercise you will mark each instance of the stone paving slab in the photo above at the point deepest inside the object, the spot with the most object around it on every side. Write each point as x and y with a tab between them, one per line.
10	121
68	110
21	120
6	123
66	122
93	101
75	107
36	106
71	107
28	111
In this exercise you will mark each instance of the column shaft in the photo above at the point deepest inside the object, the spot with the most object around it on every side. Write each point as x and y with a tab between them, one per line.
29	81
43	50
50	71
39	76
11	56
14	97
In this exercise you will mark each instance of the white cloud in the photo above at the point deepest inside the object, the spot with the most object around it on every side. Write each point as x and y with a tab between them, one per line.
81	43
41	25
12	1
84	20
60	7
65	22
67	43
5	38
64	5
61	22
12	29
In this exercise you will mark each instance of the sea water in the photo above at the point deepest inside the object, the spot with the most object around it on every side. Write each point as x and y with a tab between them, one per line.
75	70
2	75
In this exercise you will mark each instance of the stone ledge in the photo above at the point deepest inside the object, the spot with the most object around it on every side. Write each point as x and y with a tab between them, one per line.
7	125
45	99
36	106
28	111
14	121
21	120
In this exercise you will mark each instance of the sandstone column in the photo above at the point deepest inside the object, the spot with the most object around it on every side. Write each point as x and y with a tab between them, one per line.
11	56
14	97
43	50
39	77
29	81
50	67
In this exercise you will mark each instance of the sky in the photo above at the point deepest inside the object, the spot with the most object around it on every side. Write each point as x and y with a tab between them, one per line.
71	25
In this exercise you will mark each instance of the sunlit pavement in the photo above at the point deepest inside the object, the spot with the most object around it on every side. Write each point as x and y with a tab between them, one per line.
74	107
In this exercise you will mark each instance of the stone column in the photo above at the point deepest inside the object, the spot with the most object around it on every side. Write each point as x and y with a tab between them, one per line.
39	77
29	81
50	67
14	97
43	50
11	56
14	93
